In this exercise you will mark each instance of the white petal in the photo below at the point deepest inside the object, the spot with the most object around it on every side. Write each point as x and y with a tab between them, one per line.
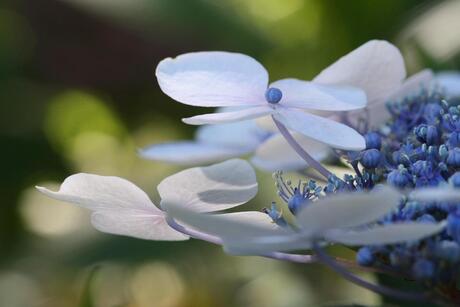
324	130
377	67
435	194
276	154
244	134
191	153
228	117
386	234
308	95
345	210
212	188
266	123
148	227
450	82
261	245
96	192
242	233
228	225
120	206
413	85
213	79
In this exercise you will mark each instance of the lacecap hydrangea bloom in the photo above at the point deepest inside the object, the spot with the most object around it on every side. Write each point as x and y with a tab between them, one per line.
397	208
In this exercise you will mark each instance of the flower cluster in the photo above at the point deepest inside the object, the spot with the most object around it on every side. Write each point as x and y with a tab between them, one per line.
397	208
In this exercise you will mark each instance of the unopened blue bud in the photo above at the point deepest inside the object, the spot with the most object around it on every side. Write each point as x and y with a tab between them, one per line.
365	256
454	139
371	158
399	177
373	140
453	158
455	179
273	95
432	135
443	152
423	269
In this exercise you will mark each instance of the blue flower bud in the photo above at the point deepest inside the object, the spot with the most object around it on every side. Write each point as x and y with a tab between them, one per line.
373	140
453	158
453	226
365	256
448	250
443	152
371	158
432	135
273	95
423	269
455	179
454	139
399	177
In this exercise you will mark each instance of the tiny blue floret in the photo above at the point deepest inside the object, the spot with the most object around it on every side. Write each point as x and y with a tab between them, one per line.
373	140
365	257
371	158
455	179
453	158
273	95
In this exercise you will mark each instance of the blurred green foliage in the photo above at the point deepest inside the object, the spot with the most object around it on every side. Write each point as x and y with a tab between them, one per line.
78	93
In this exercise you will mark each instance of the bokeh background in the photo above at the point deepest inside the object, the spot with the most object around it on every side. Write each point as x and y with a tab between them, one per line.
78	94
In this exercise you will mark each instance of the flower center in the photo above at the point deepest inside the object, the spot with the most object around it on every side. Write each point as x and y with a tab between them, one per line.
273	95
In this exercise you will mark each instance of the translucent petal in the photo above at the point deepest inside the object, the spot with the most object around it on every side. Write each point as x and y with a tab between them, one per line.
244	134
148	227
102	193
386	234
450	82
228	117
213	78
377	67
191	153
276	154
309	95
321	129
433	194
346	210
212	188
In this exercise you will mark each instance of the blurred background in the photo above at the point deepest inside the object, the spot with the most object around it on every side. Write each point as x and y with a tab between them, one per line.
78	94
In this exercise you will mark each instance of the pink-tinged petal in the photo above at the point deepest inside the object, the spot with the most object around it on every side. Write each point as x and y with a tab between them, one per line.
377	67
276	154
191	153
308	95
228	117
344	210
386	234
213	78
98	193
147	227
321	129
212	188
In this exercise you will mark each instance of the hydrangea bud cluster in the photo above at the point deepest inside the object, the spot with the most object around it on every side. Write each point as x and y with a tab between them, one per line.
418	147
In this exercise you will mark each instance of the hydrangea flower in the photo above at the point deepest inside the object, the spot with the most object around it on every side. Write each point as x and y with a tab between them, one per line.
217	79
344	218
120	207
